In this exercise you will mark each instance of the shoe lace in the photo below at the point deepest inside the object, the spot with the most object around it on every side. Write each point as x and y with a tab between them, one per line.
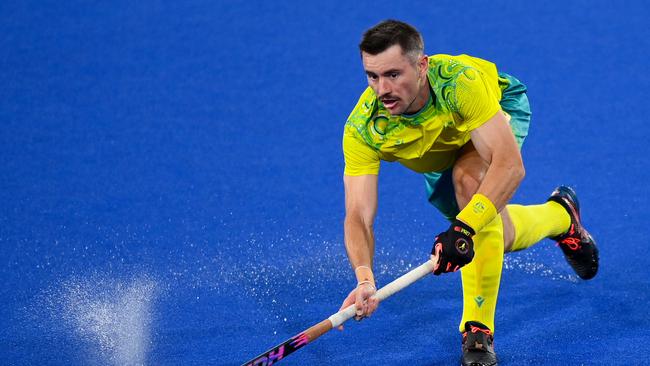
572	243
477	343
475	329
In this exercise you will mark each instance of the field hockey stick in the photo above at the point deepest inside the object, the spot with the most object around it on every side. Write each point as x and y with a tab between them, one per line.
298	341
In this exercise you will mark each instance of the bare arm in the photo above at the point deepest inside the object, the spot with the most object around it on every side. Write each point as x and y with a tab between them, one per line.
360	210
496	144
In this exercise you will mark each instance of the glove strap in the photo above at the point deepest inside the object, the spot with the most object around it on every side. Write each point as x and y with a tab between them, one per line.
463	228
479	212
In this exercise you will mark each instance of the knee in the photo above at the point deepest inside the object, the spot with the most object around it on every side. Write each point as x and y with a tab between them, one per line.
466	183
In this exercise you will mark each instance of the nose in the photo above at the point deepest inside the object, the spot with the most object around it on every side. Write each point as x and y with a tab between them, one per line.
383	86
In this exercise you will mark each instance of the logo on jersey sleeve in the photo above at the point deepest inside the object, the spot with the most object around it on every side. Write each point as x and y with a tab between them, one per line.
379	124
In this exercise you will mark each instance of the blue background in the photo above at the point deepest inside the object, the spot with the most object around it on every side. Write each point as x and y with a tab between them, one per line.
171	178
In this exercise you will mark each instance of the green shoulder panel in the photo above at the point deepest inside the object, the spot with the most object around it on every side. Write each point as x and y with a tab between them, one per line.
444	72
357	122
372	123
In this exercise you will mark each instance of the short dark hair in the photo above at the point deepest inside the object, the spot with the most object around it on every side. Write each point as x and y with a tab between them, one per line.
391	32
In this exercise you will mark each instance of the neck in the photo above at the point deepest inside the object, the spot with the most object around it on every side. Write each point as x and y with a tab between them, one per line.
420	99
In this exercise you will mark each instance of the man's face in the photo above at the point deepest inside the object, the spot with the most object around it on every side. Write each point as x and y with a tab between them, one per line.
395	80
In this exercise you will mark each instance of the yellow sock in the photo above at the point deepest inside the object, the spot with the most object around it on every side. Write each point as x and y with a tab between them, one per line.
481	278
536	222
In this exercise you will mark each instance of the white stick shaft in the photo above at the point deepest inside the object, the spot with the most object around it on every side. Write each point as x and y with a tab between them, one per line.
386	291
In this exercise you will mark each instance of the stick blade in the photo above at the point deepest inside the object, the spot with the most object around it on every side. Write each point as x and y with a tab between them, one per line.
280	351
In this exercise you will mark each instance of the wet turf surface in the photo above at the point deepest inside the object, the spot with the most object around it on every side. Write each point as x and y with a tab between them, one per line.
172	183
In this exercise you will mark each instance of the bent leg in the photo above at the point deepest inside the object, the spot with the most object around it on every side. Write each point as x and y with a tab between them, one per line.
482	277
517	227
536	222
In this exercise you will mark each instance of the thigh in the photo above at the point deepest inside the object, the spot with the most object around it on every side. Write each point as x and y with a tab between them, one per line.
444	190
440	193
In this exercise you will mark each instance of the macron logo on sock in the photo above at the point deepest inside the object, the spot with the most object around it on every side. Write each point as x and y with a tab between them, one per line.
479	300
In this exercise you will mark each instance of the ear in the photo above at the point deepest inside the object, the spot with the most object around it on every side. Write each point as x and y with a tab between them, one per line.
424	65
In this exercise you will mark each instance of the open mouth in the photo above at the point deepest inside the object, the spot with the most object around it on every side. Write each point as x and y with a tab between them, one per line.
389	103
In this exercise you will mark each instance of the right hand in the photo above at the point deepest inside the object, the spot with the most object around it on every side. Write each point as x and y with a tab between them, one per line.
360	297
453	248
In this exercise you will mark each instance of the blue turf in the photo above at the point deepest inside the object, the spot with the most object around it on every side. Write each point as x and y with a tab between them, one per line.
171	182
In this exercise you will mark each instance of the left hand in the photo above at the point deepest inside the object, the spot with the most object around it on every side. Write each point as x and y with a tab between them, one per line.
453	248
361	297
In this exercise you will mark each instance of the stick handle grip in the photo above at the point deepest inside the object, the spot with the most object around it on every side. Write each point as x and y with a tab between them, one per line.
385	292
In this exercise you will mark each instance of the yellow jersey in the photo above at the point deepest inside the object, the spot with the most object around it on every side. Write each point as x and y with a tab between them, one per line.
465	94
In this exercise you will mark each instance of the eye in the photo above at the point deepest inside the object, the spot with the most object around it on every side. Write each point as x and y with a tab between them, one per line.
393	75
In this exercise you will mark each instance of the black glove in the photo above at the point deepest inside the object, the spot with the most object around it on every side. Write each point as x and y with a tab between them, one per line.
455	248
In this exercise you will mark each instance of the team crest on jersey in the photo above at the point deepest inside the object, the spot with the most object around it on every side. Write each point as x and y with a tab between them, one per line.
380	124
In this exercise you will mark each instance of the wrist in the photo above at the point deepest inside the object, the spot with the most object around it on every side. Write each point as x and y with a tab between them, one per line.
364	275
479	212
463	228
367	282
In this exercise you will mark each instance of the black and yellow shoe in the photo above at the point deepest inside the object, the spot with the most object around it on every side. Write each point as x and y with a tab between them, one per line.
478	345
578	246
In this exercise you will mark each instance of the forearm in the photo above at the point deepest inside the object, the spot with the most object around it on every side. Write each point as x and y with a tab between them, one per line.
501	181
360	209
497	187
359	242
496	144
